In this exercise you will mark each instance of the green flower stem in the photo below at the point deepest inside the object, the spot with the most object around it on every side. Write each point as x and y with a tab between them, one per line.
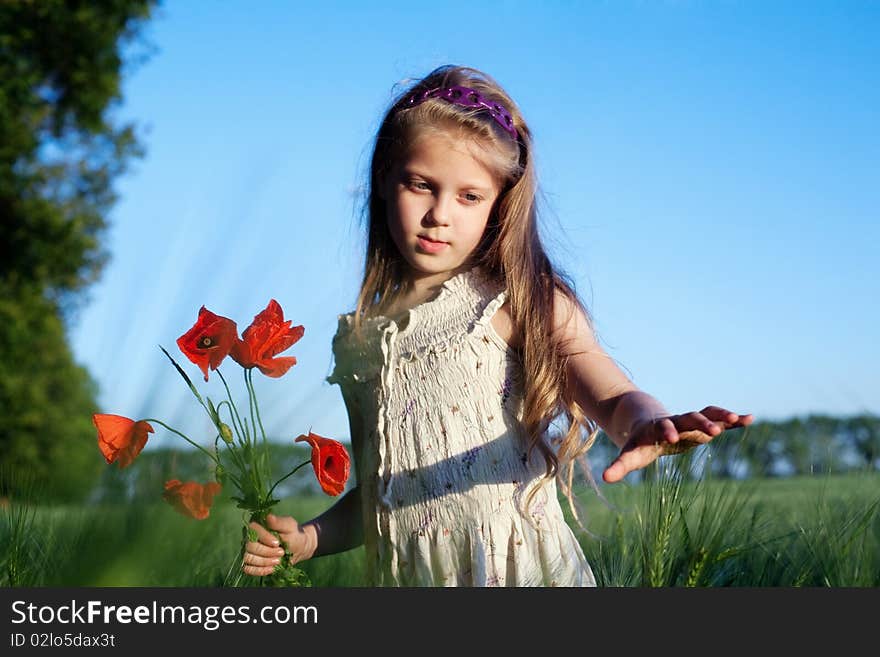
250	390
235	575
185	377
235	480
255	460
189	383
269	495
210	456
238	459
236	455
250	376
250	404
242	427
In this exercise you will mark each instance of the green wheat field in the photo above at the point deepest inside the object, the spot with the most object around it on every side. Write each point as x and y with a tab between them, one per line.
821	530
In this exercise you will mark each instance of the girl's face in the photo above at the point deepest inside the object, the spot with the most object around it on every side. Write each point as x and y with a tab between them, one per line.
439	198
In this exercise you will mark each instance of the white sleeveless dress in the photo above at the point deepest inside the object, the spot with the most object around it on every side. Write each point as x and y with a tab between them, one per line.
441	455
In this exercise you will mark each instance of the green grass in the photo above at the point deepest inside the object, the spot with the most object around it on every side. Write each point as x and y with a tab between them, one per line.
141	545
808	531
819	530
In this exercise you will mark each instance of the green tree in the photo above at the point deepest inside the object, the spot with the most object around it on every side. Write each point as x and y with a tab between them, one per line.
797	448
823	434
863	432
60	151
764	450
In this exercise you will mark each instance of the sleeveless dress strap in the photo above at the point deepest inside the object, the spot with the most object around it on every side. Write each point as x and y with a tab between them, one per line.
354	362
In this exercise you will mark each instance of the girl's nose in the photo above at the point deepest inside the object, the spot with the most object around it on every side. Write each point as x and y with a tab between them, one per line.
441	210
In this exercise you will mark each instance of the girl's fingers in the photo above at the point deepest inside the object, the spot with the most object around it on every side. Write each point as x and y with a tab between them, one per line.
631	459
281	524
261	556
260	550
264	536
727	417
614	472
690	439
745	420
254	560
719	414
696	422
652	431
259	566
257	572
665	430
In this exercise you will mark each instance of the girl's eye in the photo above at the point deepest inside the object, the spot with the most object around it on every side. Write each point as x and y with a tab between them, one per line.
421	185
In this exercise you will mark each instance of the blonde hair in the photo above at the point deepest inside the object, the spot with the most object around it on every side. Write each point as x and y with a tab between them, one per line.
510	251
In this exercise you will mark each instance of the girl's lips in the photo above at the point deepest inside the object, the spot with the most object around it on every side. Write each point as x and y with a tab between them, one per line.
431	247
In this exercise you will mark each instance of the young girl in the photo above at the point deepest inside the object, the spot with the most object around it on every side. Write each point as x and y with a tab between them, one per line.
464	345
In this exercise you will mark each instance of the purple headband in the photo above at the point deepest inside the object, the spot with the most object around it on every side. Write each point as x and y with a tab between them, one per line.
467	97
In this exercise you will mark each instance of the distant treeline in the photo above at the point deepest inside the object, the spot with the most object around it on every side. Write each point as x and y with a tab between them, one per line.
145	478
814	444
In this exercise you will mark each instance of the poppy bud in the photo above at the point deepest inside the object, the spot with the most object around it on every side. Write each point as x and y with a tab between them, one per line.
226	433
220	474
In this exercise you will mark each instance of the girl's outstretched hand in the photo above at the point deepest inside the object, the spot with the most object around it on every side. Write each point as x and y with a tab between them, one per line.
671	434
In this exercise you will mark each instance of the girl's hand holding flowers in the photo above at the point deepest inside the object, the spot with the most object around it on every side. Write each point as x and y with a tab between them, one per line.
240	454
652	438
267	550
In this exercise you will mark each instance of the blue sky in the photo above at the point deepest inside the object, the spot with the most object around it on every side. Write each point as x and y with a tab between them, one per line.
711	179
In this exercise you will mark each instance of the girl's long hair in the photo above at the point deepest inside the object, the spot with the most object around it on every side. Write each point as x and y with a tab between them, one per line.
510	251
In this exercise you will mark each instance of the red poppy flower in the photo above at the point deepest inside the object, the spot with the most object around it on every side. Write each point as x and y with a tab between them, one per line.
208	342
120	438
267	336
191	498
330	461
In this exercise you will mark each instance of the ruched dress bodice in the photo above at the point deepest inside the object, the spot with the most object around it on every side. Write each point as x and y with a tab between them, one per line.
441	455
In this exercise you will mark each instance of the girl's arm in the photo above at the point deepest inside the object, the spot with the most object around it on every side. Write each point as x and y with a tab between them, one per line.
634	420
338	529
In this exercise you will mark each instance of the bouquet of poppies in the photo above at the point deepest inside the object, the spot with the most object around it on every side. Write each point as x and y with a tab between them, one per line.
240	451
